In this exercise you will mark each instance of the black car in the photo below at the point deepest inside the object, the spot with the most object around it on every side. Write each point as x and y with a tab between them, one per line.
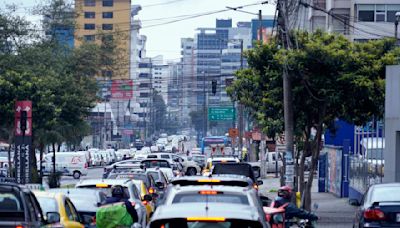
20	208
380	207
243	169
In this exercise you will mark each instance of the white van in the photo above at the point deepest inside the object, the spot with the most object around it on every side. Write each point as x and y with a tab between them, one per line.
271	161
70	163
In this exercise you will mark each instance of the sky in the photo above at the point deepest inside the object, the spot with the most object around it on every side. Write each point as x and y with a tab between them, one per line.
165	39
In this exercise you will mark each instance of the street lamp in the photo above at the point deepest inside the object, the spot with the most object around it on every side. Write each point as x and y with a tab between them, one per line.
396	25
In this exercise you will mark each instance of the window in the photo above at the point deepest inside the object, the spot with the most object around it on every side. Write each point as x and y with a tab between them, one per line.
107	26
90	3
108	15
90	14
380	12
165	156
144	85
89	26
89	38
391	12
108	3
143	105
377	13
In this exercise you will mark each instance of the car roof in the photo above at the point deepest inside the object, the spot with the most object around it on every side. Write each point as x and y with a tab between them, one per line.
122	182
222	188
154	159
48	194
75	191
228	211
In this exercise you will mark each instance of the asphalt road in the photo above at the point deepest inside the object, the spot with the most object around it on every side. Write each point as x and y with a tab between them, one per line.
93	173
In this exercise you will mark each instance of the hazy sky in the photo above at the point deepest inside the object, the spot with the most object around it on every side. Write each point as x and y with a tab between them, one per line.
165	39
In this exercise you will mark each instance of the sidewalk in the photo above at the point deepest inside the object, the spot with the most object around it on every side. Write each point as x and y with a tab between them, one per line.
333	211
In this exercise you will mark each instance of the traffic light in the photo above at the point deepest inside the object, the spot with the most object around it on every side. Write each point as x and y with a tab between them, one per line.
214	87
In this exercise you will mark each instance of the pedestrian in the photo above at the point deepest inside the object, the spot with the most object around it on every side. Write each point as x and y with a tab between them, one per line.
114	212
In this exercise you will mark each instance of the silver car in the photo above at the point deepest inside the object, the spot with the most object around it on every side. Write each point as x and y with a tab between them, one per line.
130	190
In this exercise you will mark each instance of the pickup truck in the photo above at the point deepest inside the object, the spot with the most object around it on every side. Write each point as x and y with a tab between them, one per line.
19	207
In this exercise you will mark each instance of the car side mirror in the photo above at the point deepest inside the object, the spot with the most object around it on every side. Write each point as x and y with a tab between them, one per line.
147	198
53	217
160	185
256	171
260	182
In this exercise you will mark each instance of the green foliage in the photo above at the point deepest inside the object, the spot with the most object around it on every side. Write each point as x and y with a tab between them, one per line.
197	120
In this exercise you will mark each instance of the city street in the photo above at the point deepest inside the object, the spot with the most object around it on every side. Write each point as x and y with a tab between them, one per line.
93	173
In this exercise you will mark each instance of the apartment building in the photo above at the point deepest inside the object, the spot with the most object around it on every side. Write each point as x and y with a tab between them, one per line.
359	20
105	21
188	77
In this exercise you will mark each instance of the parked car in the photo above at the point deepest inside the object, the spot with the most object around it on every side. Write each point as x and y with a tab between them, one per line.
70	163
380	207
272	158
20	208
58	202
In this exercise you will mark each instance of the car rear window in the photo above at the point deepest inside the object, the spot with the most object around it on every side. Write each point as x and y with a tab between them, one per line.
385	194
107	191
237	169
155	175
156	163
10	201
218	198
229	223
47	204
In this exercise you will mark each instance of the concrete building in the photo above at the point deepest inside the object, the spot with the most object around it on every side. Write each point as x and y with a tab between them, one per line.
359	20
161	77
106	20
188	77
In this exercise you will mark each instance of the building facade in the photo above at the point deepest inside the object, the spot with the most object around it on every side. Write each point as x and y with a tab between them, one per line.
359	20
105	21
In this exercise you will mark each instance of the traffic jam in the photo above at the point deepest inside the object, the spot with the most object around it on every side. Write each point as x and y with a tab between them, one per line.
151	187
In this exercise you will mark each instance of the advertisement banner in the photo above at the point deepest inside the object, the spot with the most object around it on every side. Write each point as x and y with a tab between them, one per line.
122	89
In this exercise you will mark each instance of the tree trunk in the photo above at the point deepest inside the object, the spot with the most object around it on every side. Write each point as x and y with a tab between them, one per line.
301	177
59	147
314	164
10	165
41	162
54	158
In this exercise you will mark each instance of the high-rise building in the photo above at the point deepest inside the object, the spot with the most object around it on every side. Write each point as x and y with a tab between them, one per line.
189	82
103	21
161	77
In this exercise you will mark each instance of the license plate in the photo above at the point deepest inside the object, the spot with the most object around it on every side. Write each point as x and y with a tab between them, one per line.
398	217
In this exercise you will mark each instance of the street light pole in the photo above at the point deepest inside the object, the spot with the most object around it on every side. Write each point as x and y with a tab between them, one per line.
396	26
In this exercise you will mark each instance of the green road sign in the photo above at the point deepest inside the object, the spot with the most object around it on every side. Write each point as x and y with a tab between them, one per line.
221	113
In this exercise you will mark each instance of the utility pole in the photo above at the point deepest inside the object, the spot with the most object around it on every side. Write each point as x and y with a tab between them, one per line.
260	26
204	106
240	107
283	33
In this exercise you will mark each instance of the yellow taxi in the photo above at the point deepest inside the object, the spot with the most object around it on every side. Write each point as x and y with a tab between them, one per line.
58	209
145	197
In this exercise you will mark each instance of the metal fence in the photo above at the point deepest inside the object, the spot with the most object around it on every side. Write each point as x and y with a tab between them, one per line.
367	161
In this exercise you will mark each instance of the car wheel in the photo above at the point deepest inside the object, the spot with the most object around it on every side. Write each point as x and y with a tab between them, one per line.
76	175
191	172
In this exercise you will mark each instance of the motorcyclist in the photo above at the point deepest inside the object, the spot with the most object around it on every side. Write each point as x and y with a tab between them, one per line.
291	210
117	195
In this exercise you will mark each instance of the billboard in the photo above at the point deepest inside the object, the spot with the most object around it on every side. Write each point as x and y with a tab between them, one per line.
122	89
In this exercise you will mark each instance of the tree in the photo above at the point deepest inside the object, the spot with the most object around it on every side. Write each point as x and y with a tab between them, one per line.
159	113
331	78
197	120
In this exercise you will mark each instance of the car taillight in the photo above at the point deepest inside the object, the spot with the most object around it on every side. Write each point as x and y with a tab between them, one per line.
374	214
152	190
19	226
144	202
94	220
208	192
255	186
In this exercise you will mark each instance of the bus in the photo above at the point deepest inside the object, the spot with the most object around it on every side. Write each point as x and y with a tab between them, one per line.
216	145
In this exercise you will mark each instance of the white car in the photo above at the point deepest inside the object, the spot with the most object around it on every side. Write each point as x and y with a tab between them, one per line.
189	167
70	163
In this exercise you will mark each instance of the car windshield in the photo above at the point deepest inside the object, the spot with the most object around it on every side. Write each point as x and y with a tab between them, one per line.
47	204
385	194
156	163
217	198
184	223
